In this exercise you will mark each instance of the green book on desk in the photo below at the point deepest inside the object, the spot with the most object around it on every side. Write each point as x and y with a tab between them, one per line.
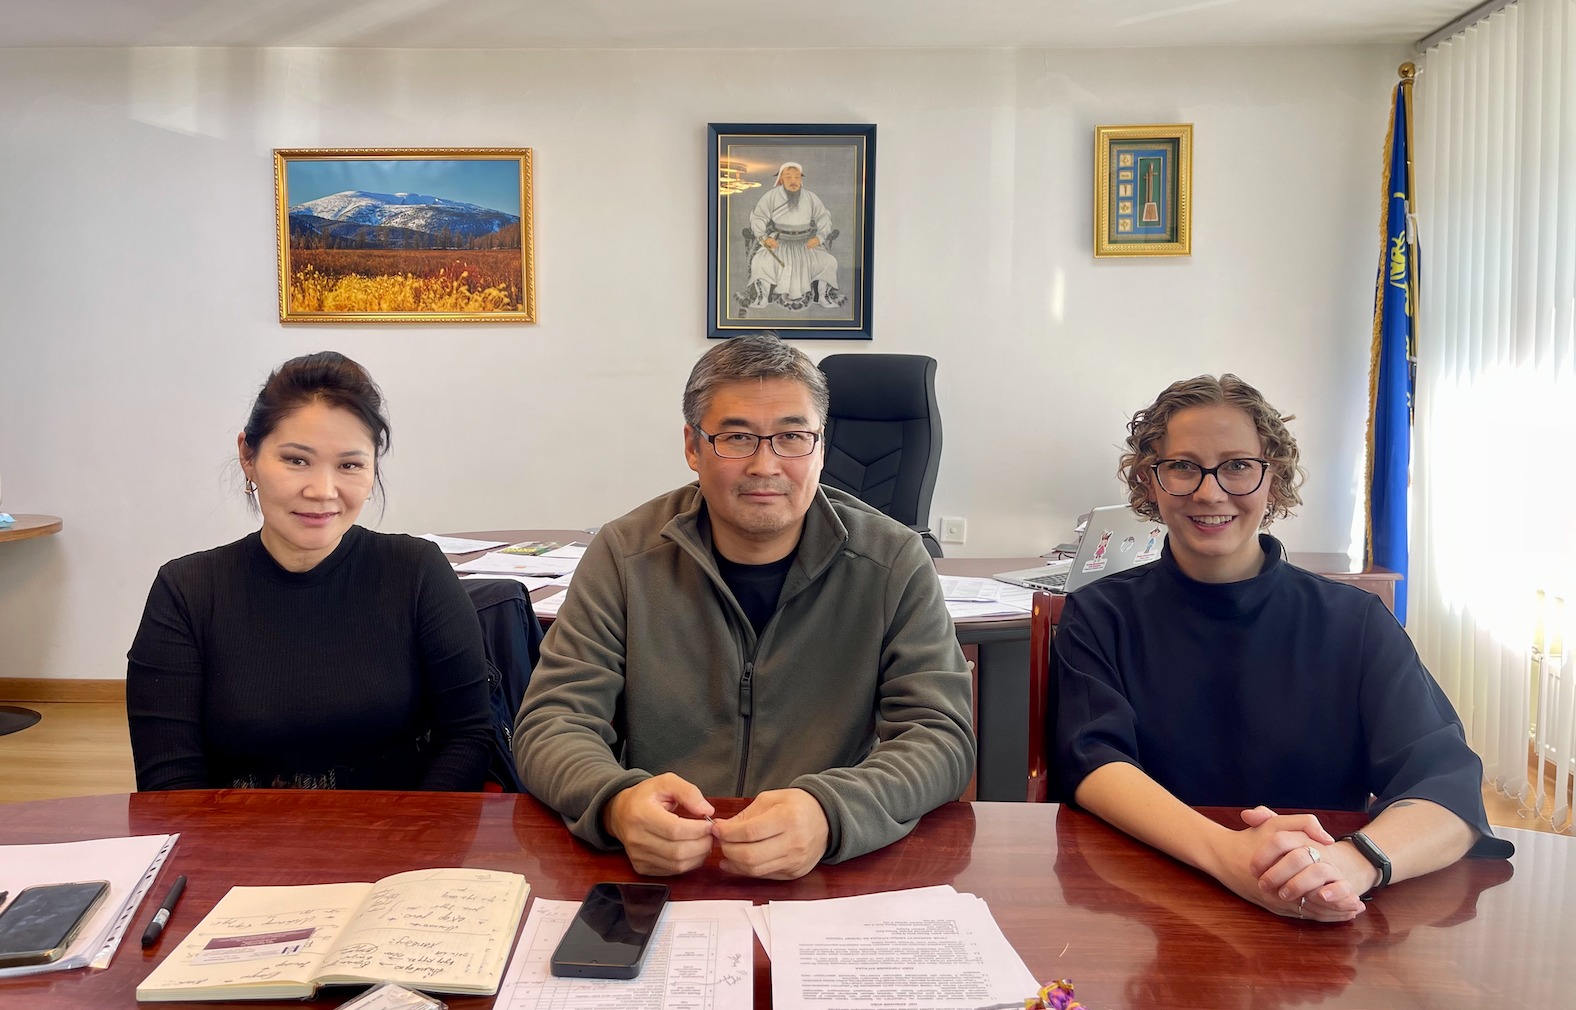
438	930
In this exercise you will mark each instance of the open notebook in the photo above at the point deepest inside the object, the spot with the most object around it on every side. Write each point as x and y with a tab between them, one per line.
440	930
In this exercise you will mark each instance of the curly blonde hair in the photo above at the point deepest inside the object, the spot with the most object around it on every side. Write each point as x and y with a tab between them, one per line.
1148	428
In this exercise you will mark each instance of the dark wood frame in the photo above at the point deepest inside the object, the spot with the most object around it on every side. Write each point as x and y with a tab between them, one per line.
723	317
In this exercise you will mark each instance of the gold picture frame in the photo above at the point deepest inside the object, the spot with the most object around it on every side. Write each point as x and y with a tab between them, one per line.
405	235
1143	190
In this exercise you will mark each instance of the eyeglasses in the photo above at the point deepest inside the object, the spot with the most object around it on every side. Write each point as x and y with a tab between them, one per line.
1236	477
744	444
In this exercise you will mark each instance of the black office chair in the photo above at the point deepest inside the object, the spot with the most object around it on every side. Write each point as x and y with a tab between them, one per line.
512	640
883	434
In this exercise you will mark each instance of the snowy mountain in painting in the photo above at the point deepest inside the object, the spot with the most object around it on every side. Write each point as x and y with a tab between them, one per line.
400	212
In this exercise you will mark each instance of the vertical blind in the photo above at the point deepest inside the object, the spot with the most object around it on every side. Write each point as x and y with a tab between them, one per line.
1494	475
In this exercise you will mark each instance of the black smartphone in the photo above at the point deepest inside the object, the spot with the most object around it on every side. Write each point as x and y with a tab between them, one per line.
610	931
40	923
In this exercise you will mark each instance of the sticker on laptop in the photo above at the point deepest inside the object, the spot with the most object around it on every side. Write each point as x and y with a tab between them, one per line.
1097	562
1151	549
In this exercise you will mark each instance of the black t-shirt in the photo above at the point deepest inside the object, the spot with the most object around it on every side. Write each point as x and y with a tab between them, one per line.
756	587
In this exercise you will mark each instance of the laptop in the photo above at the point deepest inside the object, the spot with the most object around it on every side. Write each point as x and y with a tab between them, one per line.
1114	540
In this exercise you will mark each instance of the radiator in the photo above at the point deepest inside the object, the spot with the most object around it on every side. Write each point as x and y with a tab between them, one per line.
1554	727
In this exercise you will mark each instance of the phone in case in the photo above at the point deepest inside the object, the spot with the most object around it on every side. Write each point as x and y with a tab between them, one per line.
610	932
40	923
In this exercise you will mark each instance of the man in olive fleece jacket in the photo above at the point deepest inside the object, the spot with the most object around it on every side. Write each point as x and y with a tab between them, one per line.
754	635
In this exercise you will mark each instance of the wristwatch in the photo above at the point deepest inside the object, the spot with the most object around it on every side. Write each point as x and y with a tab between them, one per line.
1375	855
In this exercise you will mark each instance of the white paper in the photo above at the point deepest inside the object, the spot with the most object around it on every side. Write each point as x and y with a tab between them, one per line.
548	605
117	929
519	564
701	958
762	925
129	864
530	582
957	589
957	609
460	545
575	550
923	949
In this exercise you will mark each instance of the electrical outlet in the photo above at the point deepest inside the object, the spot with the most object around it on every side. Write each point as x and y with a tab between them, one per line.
954	530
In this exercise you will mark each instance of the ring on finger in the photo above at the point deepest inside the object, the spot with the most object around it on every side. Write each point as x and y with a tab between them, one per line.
1313	853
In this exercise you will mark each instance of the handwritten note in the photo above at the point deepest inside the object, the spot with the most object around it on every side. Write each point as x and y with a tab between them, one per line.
456	925
701	958
447	930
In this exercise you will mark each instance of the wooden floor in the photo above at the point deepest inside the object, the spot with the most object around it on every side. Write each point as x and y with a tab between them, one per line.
83	749
76	749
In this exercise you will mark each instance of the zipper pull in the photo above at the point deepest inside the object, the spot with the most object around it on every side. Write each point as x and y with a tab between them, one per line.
746	690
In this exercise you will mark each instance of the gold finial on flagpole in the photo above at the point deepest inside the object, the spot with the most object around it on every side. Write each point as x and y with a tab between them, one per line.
1408	71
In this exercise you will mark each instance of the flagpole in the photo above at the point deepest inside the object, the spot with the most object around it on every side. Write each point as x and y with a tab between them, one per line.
1373	365
1408	74
1392	361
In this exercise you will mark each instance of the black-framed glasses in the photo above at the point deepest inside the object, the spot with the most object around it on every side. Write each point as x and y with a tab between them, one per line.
1236	477
744	444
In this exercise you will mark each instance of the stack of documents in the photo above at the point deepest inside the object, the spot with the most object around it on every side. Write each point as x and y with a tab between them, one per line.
700	956
527	564
929	948
985	597
460	545
129	864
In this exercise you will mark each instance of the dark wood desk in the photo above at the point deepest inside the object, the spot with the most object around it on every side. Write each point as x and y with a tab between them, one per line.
1130	927
999	649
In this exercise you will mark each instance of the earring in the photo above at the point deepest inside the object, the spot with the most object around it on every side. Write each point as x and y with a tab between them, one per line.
251	487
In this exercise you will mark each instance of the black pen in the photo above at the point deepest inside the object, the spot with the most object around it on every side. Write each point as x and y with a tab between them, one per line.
156	924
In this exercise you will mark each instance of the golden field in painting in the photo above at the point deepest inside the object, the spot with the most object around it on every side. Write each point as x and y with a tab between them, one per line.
405	280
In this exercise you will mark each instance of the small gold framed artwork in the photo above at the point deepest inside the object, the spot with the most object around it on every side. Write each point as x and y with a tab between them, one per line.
1143	190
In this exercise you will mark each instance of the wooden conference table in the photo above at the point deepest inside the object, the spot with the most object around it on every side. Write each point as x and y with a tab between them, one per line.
1131	928
999	649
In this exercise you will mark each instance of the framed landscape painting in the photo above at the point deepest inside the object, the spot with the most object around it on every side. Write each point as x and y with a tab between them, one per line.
1143	190
790	219
405	235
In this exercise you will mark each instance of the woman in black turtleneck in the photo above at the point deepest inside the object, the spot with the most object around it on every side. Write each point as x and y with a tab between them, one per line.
313	653
1221	675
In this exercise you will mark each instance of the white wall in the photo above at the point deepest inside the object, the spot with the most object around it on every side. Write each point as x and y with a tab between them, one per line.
138	301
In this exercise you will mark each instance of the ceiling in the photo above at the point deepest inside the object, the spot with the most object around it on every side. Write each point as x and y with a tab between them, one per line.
718	24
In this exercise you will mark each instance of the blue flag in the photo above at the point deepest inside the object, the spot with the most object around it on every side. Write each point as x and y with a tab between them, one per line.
1390	375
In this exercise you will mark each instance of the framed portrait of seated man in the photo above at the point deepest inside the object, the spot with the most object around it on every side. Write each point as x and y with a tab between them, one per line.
790	214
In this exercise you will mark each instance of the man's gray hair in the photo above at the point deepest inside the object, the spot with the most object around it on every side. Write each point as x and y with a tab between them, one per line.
757	356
